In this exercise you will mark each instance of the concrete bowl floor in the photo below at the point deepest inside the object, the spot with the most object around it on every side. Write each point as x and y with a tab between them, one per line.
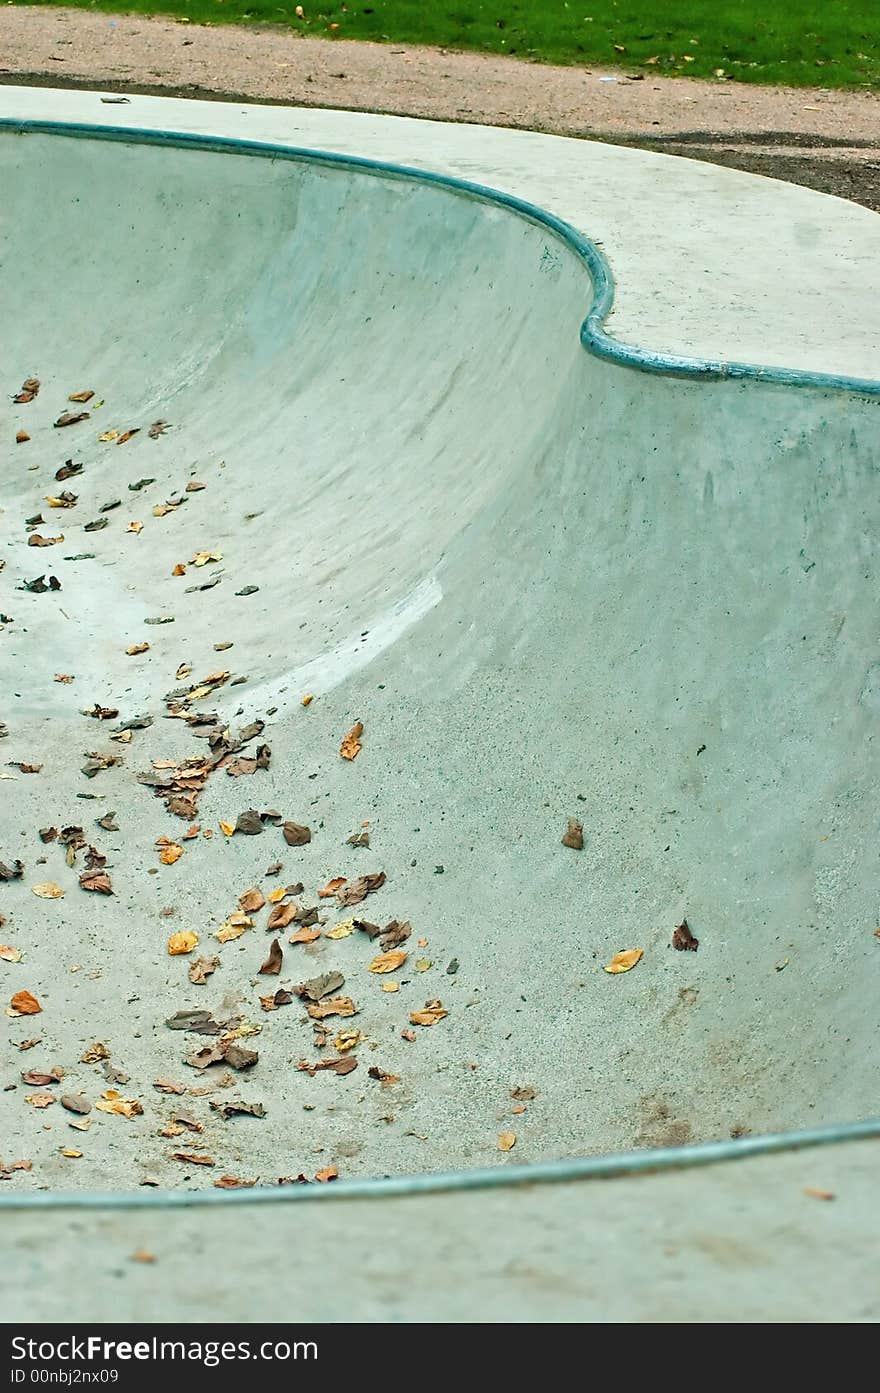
550	587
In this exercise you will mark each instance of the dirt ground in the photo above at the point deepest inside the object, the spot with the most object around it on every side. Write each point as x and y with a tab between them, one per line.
824	139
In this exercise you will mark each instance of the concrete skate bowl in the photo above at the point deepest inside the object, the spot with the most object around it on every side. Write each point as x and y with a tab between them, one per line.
553	577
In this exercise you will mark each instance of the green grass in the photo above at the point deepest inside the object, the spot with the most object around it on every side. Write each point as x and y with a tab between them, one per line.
821	43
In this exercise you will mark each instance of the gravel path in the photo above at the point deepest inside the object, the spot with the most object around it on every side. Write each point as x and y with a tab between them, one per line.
824	139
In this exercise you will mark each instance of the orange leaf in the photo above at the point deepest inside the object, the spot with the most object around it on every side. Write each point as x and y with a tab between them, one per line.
25	1004
624	962
183	942
171	853
351	745
430	1015
331	887
388	962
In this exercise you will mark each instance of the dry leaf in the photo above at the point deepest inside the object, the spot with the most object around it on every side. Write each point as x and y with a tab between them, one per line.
40	1100
168	1086
71	1152
127	434
272	966
65	677
179	570
384	1079
9	954
816	1194
304	935
191	1158
296	834
110	1101
281	915
430	1015
183	942
200	970
251	900
280	891
137	648
524	1094
233	927
135	527
328	1173
71	418
360	888
48	890
307	699
170	853
36	540
407	1034
232	1182
332	1006
81	397
21	437
388	962
624	962
391	986
341	930
345	1065
24	1004
351	745
96	881
573	836
95	1053
683	939
506	1141
331	887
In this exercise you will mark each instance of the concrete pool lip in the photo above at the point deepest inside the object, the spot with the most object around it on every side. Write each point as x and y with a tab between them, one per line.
605	1165
594	336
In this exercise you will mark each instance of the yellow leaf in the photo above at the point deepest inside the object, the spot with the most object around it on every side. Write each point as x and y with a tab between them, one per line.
391	986
624	962
388	962
171	853
227	828
506	1141
48	890
70	1151
108	435
307	699
347	1040
137	648
110	1101
135	527
233	927
331	1006
423	964
202	558
276	896
341	930
183	942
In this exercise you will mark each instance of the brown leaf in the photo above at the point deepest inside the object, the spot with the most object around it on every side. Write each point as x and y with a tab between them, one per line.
168	1086
524	1094
65	677
331	887
272	966
232	1182
81	397
126	435
318	987
279	998
24	1003
358	839
36	540
239	1056
351	745
332	1006
111	1102
358	889
21	437
13	872
573	836
281	915
409	1035
38	1079
384	1079
156	429
305	935
29	389
345	1065
432	1013
251	900
296	834
371	930
97	881
71	418
683	939
249	822
200	970
395	933
235	1108
95	1053
191	1158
